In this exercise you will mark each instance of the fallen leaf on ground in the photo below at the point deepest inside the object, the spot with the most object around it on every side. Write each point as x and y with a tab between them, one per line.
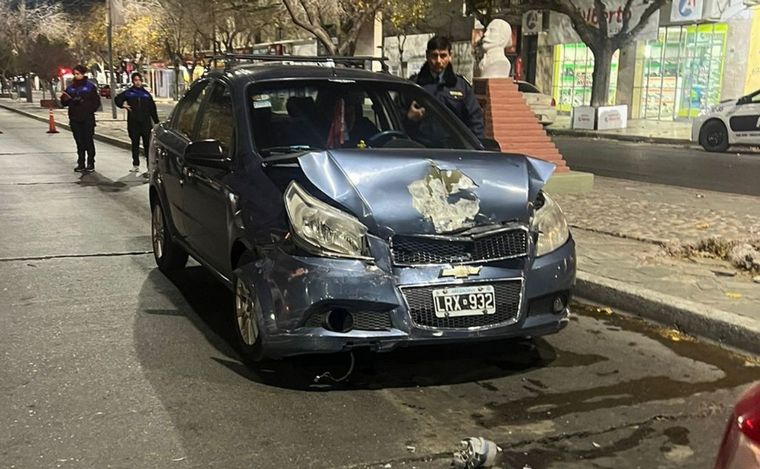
733	295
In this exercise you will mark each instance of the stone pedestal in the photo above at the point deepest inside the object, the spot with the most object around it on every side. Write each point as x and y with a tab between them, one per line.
510	121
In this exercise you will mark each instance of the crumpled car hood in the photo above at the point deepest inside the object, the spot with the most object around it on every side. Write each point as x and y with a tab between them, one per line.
427	191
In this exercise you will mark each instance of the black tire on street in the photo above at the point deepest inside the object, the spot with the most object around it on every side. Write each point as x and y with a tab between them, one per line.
246	311
714	136
169	255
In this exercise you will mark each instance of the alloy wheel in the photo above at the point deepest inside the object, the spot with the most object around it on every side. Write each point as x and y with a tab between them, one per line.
158	233
245	314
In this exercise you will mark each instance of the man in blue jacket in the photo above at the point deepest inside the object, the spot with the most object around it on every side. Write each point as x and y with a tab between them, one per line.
141	116
438	78
82	99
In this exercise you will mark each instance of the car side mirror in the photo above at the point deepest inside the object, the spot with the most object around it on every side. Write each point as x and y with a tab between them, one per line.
207	153
490	144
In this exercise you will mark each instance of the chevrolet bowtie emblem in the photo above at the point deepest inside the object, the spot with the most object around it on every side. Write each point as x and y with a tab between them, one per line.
460	271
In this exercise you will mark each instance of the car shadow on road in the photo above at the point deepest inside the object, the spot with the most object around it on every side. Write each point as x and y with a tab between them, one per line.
105	184
207	304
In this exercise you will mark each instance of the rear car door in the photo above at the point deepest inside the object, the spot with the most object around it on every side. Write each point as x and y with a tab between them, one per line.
206	191
745	119
170	146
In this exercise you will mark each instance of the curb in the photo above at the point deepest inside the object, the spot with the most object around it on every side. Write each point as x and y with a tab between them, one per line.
100	137
687	316
621	137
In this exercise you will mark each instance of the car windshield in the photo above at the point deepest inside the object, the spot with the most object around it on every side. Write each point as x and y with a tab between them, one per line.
308	115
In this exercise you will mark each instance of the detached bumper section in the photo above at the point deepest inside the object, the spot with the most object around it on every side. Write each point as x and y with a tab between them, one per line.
320	305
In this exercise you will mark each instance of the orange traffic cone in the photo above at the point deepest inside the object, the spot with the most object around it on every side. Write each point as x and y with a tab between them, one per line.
51	122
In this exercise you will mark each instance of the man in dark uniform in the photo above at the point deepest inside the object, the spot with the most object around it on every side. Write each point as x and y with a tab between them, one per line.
438	78
140	118
82	99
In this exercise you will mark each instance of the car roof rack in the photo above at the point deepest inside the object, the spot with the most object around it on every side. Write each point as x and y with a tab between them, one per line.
362	62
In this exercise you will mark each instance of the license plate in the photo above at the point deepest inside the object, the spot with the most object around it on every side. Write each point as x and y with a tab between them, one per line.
464	301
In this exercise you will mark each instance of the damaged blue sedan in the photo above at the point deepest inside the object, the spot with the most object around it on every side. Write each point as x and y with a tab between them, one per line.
341	220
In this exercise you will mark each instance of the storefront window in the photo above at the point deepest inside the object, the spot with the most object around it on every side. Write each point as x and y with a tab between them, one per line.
681	71
573	76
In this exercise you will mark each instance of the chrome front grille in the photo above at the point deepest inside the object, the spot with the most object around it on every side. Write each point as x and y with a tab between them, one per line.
420	303
419	250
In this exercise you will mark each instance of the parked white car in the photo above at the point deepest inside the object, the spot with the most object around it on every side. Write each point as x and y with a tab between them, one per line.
542	105
732	122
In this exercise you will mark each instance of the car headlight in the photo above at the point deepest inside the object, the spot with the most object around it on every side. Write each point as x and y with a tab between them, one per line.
551	225
322	229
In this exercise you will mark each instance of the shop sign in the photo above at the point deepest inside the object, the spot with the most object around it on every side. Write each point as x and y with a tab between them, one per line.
583	117
561	29
531	23
686	11
696	11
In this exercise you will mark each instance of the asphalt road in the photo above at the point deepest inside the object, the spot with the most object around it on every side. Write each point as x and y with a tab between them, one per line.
108	363
734	171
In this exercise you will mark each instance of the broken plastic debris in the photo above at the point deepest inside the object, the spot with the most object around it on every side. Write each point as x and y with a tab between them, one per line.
476	452
733	295
411	449
596	445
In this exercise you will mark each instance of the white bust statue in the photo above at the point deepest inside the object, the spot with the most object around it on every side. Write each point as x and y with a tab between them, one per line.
498	36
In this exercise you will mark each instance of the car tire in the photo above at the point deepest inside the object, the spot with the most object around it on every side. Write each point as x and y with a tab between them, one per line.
246	311
168	254
714	136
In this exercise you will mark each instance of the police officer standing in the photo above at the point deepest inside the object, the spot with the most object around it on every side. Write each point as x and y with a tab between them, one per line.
438	78
141	116
82	99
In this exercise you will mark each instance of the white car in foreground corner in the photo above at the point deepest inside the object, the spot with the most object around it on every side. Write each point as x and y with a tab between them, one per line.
729	123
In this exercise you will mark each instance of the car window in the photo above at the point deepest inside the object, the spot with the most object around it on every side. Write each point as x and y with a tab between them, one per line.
525	87
216	120
322	114
187	110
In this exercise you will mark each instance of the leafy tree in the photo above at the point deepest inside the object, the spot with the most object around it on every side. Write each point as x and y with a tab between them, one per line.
404	19
342	19
594	29
46	57
20	27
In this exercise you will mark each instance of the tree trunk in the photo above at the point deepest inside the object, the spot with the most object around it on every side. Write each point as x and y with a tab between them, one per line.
600	88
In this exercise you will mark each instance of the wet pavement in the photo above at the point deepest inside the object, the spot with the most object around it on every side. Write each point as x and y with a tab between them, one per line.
109	362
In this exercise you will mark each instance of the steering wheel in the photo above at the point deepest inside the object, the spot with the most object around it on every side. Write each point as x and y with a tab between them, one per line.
381	138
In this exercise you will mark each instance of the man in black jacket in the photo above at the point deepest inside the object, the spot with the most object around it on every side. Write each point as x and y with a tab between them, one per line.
141	116
82	99
438	78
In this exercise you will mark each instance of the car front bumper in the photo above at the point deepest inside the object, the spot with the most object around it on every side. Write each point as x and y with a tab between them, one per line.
295	293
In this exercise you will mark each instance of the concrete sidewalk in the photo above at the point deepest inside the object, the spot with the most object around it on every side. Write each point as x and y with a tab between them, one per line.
667	253
638	130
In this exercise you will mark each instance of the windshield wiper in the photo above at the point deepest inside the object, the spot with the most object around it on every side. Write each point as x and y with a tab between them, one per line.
285	149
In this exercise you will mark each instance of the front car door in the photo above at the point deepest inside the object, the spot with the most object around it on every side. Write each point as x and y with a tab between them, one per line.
745	120
170	144
206	191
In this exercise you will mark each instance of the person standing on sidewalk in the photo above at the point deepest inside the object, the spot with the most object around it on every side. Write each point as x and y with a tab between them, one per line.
438	78
141	115
82	99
